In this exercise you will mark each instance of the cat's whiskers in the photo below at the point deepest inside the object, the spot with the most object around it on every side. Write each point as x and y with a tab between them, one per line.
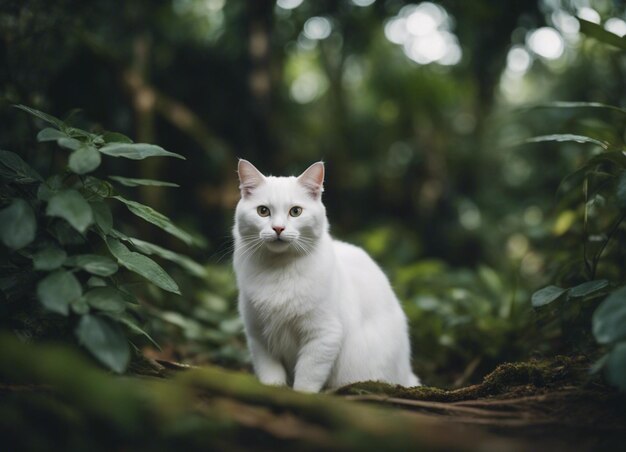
225	251
306	244
301	246
250	247
229	248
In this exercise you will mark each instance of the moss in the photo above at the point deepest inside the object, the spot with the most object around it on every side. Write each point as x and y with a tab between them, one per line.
511	379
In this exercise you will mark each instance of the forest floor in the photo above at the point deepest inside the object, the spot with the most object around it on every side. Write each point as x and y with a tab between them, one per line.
536	405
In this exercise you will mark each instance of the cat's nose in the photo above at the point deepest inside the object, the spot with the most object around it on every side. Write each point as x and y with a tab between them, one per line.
278	229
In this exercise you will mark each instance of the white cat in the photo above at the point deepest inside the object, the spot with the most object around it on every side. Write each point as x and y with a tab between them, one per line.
318	313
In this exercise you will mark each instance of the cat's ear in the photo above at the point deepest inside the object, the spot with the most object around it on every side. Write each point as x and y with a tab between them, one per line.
249	177
313	179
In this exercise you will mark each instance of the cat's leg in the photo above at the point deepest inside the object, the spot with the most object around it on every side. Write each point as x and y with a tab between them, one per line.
267	368
316	359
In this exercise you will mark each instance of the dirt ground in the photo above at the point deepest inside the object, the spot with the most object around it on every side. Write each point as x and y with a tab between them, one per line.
52	399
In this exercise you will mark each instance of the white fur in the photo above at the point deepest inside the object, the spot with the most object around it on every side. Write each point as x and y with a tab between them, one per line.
318	313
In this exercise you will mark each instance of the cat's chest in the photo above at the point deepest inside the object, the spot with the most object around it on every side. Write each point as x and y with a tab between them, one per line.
290	291
284	304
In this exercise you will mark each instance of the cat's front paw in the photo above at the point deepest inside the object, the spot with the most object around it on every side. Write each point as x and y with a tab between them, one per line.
306	387
273	381
275	376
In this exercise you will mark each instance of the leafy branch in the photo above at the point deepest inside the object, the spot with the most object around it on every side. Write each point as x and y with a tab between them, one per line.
51	230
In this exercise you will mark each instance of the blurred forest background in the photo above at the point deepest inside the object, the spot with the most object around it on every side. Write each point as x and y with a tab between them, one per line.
414	106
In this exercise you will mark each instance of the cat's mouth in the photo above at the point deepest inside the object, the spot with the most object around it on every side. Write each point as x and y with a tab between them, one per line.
277	244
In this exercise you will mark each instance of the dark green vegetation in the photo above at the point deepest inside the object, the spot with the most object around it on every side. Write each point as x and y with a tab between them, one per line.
594	197
486	175
65	252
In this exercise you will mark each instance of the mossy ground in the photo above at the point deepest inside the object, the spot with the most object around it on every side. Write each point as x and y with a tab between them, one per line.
52	399
509	379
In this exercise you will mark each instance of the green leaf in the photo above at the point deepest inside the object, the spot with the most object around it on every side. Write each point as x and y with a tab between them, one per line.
119	235
72	207
58	290
141	265
566	137
97	187
41	115
574	179
546	296
80	133
609	319
47	189
94	281
115	137
598	32
616	158
157	219
102	215
616	366
106	299
49	134
105	341
132	326
574	105
136	151
65	234
49	258
128	295
136	182
188	264
95	264
70	143
587	288
14	169
84	160
17	224
80	306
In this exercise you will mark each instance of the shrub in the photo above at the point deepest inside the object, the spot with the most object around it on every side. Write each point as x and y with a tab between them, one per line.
593	209
63	257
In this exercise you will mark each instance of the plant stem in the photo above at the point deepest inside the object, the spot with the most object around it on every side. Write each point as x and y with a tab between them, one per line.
610	235
588	268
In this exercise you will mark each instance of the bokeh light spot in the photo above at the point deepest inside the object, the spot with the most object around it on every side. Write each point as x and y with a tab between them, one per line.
547	43
423	31
616	26
566	23
589	14
518	60
308	87
288	4
362	3
317	28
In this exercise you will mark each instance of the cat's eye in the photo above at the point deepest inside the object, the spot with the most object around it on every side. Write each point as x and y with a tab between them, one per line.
295	211
263	211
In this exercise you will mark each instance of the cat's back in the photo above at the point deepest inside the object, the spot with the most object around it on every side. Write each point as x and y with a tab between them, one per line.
352	255
363	274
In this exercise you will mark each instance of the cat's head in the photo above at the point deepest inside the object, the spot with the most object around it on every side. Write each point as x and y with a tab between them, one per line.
280	214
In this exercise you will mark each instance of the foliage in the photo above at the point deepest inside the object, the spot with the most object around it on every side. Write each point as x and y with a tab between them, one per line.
206	330
410	146
62	248
594	199
463	321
